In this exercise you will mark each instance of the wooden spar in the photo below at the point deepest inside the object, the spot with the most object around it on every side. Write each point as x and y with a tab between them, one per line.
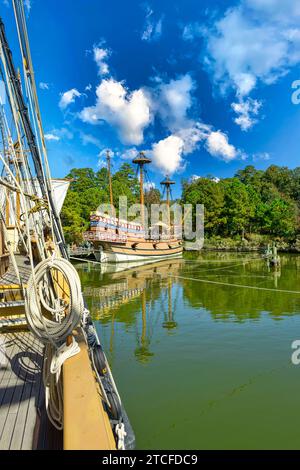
109	178
142	160
7	208
167	184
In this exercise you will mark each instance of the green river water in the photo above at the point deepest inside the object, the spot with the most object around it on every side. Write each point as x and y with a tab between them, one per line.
202	365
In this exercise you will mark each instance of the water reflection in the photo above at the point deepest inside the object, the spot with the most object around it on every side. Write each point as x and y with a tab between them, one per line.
127	293
202	315
138	294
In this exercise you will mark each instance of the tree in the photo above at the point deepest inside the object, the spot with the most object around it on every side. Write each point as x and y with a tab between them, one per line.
211	195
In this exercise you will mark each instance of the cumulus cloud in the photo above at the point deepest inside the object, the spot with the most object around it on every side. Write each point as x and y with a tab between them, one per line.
128	112
87	139
257	41
246	110
129	154
217	145
44	86
167	154
52	137
153	26
173	100
68	97
100	56
58	134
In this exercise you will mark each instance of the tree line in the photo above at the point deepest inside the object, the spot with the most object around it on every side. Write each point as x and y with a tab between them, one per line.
252	202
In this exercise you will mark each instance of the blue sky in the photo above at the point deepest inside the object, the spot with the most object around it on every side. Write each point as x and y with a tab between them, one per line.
203	86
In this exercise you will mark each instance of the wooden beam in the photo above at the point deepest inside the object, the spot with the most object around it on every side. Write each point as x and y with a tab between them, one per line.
86	424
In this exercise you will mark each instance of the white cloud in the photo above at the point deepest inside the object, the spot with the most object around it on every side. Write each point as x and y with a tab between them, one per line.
88	87
52	137
128	112
261	156
192	135
90	139
100	56
215	179
27	4
257	41
167	154
58	134
129	154
44	86
68	97
218	146
153	26
173	100
246	110
192	31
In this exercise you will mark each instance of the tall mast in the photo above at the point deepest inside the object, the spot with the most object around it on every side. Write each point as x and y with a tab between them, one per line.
109	178
141	160
167	183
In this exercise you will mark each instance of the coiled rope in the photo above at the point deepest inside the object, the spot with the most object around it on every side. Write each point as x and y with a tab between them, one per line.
62	315
41	293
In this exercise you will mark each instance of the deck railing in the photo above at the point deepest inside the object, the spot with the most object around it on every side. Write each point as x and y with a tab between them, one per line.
102	236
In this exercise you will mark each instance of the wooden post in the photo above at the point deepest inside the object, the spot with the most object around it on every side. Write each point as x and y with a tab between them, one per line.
142	195
7	208
109	178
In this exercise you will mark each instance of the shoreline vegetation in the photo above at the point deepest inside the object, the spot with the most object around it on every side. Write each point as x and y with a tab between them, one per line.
257	243
242	213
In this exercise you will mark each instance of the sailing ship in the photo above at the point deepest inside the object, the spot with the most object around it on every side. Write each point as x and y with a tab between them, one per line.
119	240
57	390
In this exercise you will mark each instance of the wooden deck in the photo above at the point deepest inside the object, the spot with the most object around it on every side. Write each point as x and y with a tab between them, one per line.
23	420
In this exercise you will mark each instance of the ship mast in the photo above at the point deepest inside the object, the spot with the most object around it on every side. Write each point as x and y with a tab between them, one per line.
142	160
167	183
108	158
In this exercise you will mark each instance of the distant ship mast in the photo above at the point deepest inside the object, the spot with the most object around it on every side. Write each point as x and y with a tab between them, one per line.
167	183
141	160
108	158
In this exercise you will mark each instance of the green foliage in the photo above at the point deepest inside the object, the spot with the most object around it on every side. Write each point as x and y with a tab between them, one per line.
89	189
254	201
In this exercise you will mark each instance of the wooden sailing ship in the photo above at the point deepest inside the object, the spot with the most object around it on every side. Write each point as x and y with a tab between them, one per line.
117	240
56	387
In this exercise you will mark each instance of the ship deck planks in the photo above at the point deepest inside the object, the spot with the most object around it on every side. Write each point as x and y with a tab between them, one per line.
9	280
23	420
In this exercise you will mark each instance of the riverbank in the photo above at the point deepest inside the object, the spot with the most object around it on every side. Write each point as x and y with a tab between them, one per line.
251	243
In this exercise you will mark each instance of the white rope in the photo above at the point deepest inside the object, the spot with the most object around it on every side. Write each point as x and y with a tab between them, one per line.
63	315
53	361
121	433
39	284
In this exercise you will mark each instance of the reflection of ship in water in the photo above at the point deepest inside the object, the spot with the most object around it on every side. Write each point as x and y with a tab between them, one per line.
142	284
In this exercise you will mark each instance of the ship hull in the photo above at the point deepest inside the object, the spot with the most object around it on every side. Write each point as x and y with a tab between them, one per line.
114	253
